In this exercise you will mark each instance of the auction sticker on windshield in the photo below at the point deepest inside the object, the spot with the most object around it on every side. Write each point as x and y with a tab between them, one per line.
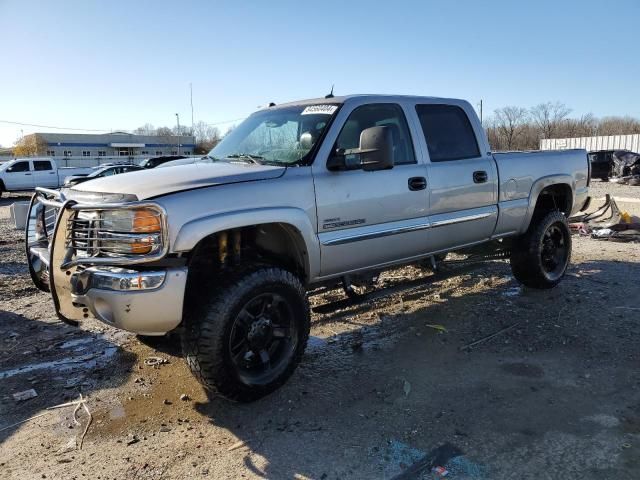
322	109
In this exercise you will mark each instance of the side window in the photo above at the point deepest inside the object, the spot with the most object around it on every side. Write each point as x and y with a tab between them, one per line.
39	165
379	115
19	167
448	132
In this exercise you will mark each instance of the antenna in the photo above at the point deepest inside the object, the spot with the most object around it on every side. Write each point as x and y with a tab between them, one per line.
330	95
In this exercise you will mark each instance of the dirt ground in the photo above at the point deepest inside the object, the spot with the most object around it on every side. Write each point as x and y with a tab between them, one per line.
384	382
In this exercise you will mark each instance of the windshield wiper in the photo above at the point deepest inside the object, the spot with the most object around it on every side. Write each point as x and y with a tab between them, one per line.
248	157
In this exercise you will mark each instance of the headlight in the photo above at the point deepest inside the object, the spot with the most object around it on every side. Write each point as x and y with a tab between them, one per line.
117	232
143	220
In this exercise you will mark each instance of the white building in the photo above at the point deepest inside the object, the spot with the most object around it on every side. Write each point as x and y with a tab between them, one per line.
611	142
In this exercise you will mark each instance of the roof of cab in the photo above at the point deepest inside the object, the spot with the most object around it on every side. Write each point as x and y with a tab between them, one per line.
345	98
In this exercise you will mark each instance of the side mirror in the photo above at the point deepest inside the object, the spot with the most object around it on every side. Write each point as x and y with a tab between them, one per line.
375	152
376	149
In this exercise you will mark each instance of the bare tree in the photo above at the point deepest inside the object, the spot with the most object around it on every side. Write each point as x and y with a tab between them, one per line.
30	146
585	126
146	129
182	131
508	123
547	117
207	137
618	126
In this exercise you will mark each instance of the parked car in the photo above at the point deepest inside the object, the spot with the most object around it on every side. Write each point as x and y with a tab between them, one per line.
155	161
303	194
601	163
101	172
183	161
29	173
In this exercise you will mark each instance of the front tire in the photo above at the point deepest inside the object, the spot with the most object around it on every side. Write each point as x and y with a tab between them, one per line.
539	259
248	337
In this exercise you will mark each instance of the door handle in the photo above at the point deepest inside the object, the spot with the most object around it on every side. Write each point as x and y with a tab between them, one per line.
417	183
52	173
27	174
480	176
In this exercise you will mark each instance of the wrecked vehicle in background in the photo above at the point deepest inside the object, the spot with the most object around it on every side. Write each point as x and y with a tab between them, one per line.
316	192
601	163
626	167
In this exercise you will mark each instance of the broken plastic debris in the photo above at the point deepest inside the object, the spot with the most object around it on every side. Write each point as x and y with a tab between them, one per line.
407	388
439	328
603	232
440	471
154	361
25	395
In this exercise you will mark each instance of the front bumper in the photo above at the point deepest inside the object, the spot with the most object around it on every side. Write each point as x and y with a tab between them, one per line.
144	302
140	300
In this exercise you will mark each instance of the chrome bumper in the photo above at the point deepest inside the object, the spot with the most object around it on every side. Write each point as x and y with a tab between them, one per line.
146	302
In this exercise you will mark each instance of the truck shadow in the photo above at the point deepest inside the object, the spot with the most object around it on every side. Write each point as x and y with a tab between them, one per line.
408	381
58	362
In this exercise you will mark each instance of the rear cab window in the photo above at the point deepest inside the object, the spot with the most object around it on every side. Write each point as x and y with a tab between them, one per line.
448	132
39	165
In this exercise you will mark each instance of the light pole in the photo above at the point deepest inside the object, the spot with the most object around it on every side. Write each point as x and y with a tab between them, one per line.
178	131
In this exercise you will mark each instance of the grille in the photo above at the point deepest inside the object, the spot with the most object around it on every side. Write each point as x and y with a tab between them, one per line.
79	237
49	215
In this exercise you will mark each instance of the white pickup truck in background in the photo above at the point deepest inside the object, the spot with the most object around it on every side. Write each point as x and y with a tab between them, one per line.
29	173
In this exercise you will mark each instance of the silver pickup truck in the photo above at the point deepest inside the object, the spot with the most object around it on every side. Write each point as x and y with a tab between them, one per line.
319	191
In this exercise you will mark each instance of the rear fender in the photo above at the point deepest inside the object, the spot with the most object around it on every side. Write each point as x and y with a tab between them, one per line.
537	188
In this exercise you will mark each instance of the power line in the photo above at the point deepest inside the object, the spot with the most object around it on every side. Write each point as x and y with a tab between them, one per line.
24	124
50	126
226	121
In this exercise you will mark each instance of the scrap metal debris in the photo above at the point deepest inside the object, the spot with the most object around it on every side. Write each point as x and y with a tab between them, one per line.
616	226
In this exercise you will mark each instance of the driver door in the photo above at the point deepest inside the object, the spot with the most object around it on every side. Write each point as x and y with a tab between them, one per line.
19	176
370	218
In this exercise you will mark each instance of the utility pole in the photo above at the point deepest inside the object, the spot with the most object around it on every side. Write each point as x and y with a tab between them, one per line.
481	124
191	96
178	131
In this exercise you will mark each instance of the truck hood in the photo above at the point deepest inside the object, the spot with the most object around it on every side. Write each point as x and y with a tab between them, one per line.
154	182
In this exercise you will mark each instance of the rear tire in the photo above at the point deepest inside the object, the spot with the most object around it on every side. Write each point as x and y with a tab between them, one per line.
540	257
248	337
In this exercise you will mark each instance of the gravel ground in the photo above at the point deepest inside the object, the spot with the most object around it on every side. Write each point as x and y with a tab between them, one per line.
599	189
556	395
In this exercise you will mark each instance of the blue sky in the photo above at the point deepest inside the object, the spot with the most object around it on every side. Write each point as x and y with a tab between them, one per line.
120	64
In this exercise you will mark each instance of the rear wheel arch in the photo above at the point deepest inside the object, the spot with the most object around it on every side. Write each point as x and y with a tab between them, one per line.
549	194
558	196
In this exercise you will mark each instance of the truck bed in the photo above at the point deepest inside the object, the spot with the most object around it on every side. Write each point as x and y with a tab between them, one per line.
518	171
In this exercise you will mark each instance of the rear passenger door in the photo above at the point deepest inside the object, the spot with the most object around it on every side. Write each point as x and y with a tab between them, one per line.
462	178
43	174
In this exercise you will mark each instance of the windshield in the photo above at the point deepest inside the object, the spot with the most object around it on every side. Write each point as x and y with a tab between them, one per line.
276	135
